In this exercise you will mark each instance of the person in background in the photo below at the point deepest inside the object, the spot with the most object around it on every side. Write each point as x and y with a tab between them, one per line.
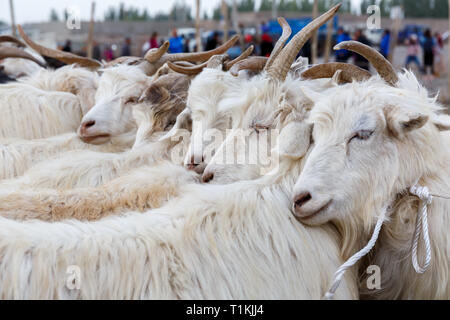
152	43
385	42
96	54
126	48
212	42
176	43
412	51
360	61
186	44
428	54
438	57
306	51
154	40
108	53
266	45
342	55
67	46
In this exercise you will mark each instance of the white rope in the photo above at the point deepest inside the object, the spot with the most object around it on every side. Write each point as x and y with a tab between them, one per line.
421	223
339	274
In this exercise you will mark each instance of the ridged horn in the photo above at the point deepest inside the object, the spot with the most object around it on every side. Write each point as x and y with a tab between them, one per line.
202	56
6	38
349	72
281	41
380	63
189	70
13	52
243	55
154	55
252	63
280	67
66	57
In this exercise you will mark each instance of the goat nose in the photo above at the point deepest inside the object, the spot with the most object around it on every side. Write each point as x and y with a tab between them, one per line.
192	163
301	199
88	124
207	177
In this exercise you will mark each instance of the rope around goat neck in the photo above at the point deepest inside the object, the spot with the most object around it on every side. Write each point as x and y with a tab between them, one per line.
421	227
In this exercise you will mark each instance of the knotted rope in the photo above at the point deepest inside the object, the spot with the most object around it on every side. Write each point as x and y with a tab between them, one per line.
421	223
421	227
339	274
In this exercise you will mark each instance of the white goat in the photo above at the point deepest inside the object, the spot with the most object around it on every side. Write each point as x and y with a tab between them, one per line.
213	242
31	113
372	143
17	155
156	112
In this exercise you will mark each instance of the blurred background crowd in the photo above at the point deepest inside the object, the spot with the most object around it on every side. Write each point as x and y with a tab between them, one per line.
411	33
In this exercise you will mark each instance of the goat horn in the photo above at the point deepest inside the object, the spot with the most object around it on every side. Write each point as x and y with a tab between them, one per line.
154	55
6	38
380	63
203	56
244	55
280	43
66	57
280	67
327	70
252	63
12	52
189	70
213	62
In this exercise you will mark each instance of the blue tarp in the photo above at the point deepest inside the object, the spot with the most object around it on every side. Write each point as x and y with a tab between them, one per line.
298	24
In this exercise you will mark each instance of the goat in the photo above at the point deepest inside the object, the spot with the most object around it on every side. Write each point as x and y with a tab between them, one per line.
31	113
213	242
374	140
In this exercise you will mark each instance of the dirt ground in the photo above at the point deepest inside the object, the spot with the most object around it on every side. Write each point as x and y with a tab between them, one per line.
436	85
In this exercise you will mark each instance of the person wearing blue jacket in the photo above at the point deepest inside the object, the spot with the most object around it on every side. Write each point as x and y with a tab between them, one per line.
176	43
342	55
385	42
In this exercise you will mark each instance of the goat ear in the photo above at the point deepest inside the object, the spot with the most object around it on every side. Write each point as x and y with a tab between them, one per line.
401	120
184	121
310	95
294	140
442	122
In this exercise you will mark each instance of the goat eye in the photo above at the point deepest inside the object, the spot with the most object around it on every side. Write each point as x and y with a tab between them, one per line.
131	100
259	127
362	135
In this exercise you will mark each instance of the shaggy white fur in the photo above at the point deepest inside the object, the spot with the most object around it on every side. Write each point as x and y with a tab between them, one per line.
31	113
17	156
372	143
214	242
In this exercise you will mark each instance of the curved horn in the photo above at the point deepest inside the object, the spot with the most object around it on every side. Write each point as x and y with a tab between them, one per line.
380	63
127	60
203	56
12	52
6	38
154	55
280	67
252	63
280	43
244	55
65	57
191	70
327	70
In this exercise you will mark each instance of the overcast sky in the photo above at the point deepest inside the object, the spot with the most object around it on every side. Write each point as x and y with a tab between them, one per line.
39	10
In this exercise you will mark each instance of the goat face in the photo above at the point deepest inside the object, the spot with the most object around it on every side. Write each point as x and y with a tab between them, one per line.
266	133
367	150
119	90
210	117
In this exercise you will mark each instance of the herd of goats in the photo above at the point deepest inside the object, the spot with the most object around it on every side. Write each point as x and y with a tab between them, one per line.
105	170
